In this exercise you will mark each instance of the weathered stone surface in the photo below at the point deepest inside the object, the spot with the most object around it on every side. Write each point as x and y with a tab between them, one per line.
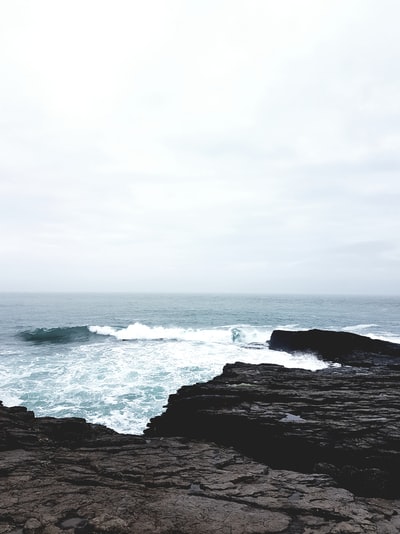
343	347
173	486
345	422
165	486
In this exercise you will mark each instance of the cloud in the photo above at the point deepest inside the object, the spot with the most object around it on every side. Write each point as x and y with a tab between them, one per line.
200	146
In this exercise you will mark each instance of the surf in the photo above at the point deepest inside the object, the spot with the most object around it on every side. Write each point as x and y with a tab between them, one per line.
57	335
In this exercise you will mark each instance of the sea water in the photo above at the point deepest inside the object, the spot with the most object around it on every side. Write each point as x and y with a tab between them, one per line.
115	358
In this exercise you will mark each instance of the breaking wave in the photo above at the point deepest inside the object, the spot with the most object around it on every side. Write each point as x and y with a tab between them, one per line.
133	332
68	334
142	332
139	331
244	335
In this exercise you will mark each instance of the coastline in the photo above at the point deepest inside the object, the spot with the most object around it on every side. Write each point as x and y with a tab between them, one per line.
325	458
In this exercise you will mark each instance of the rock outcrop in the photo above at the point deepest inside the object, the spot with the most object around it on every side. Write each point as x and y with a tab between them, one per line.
344	422
258	449
129	484
341	347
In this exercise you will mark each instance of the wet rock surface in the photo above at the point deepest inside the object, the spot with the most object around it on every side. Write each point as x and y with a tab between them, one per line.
342	347
258	449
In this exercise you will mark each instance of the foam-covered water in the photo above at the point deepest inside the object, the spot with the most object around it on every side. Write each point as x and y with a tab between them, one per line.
114	359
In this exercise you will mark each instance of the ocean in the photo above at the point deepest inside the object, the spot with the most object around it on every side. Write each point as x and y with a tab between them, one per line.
115	358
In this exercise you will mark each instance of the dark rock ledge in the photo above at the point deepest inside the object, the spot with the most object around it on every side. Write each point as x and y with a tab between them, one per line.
259	449
342	347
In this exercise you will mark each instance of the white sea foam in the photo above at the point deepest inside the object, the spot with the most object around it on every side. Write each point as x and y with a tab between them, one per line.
357	327
8	399
122	385
139	331
385	336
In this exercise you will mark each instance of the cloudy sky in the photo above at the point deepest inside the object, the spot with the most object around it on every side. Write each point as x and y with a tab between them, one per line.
213	145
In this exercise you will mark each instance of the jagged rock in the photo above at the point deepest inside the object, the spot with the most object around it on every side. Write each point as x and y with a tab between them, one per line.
166	486
345	422
19	428
342	347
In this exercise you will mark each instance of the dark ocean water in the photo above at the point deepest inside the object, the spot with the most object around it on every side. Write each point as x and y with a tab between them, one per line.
115	358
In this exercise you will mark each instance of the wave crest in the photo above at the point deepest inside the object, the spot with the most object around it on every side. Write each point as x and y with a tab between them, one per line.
221	334
139	331
240	334
62	334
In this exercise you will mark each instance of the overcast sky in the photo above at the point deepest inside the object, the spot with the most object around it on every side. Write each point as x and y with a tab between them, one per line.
205	146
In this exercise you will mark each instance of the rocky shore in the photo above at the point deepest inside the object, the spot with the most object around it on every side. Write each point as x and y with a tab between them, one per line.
258	449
